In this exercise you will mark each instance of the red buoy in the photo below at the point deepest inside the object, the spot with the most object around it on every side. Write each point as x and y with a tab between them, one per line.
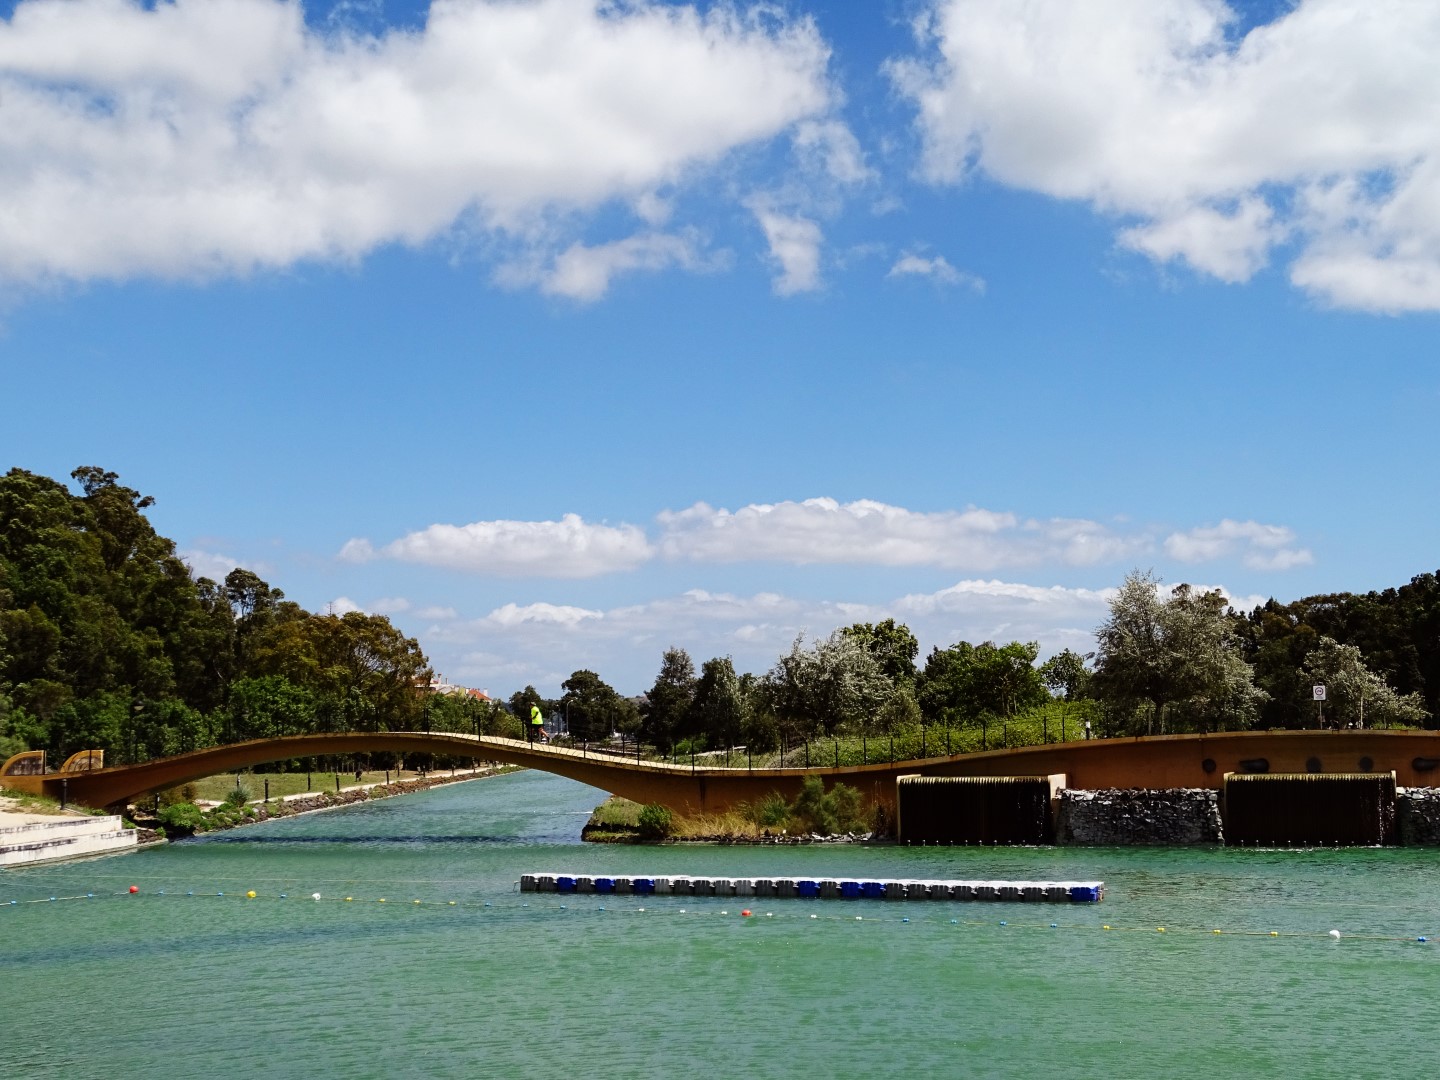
134	888
746	913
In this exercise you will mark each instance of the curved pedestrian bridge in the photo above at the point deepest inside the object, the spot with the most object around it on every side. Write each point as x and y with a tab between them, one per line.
1157	762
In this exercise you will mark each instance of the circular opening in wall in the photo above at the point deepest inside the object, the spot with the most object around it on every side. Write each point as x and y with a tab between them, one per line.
1312	764
1366	764
1208	765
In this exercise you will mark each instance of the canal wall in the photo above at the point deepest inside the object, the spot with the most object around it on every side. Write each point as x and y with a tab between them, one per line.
1417	816
1129	817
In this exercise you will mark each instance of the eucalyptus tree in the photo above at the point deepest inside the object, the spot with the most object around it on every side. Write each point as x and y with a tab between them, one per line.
1173	663
1354	695
666	711
892	645
720	709
833	685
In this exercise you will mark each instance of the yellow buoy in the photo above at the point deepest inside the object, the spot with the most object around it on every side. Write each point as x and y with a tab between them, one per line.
251	894
1274	933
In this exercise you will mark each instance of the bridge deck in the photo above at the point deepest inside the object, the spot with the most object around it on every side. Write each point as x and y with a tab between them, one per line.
1172	761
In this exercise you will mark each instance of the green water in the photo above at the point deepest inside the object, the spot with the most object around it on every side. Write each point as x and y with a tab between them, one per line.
501	984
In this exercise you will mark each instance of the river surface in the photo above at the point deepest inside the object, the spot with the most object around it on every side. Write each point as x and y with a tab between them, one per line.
480	981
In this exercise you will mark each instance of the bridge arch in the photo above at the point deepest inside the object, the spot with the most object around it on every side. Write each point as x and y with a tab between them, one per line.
1168	761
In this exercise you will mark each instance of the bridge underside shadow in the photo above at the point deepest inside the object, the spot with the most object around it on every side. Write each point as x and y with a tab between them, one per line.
1170	761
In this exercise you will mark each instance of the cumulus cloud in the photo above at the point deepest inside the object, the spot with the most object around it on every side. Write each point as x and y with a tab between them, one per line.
1319	129
512	615
342	605
210	137
208	564
936	268
873	533
568	548
583	272
625	643
1260	547
794	247
817	532
831	147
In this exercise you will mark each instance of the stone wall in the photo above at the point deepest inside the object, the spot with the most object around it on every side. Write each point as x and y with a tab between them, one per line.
1417	813
1124	817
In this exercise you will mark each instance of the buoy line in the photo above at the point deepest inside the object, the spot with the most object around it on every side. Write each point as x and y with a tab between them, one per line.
745	914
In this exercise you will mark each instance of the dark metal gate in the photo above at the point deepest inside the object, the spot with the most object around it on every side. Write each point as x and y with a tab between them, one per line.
1310	809
975	809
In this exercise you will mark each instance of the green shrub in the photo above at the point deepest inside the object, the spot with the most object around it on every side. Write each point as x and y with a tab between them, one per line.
183	819
237	798
826	812
655	822
186	793
810	811
772	811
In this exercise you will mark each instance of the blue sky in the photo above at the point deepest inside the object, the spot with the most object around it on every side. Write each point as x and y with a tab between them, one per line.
564	333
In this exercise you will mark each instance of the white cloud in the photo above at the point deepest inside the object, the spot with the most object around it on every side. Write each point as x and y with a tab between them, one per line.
829	146
794	246
512	615
568	548
1320	128
583	272
1230	245
819	531
209	137
342	605
624	644
1260	546
937	268
208	564
873	533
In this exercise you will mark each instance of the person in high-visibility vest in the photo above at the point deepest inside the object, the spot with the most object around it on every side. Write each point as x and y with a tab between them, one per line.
537	724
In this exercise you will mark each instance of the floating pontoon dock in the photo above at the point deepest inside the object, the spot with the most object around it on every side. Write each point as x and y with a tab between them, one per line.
1055	892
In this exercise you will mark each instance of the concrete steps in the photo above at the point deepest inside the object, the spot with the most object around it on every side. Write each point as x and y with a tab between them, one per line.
63	838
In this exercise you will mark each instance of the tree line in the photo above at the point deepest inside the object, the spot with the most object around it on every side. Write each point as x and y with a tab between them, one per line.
1166	661
108	641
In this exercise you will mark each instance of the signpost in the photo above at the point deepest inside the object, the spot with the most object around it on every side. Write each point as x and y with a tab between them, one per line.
1319	693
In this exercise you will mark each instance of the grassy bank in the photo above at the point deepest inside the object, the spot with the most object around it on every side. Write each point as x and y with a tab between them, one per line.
180	816
21	802
815	812
218	788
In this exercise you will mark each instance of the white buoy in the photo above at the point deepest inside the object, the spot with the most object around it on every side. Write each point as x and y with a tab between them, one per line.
1335	934
314	896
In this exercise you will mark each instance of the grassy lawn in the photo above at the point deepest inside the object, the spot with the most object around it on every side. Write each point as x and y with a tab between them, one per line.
21	803
215	788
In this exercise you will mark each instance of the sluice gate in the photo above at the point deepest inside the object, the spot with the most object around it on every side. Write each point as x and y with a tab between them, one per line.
976	809
1310	809
1055	892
